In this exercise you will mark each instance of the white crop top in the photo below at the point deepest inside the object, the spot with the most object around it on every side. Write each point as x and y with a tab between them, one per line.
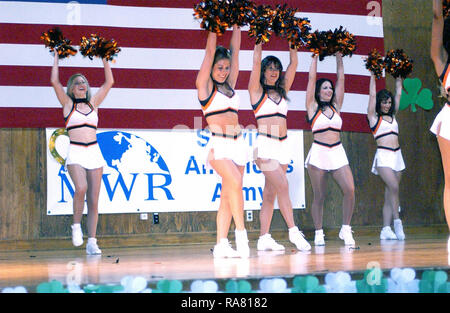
218	103
445	78
321	123
77	119
384	128
266	107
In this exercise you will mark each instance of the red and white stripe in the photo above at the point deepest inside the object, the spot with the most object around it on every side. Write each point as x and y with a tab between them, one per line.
162	49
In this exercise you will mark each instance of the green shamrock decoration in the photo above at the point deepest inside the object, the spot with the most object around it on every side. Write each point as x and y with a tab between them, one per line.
412	95
372	282
241	286
307	284
168	286
434	282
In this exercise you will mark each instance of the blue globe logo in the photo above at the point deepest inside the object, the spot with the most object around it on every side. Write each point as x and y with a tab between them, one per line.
128	153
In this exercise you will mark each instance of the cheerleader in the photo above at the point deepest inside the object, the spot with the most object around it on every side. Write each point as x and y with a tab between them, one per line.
84	160
441	125
388	161
215	84
268	90
327	155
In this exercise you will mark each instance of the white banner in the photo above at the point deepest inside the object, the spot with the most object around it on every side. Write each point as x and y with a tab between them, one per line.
164	171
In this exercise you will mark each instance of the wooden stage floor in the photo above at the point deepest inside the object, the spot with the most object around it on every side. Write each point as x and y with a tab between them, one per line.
191	262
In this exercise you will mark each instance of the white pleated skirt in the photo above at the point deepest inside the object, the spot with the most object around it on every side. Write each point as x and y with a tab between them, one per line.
441	123
388	158
326	158
89	157
272	149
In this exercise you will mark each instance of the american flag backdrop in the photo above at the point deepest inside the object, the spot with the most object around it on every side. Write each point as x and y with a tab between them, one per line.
162	49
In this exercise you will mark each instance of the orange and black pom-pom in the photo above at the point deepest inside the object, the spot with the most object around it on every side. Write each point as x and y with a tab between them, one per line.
213	15
327	43
239	12
283	16
317	43
342	41
375	63
96	46
55	40
295	30
398	64
446	8
261	26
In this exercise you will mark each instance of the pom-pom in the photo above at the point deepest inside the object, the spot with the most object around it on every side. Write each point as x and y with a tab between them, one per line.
375	63
213	15
55	40
327	43
446	8
317	43
398	64
295	30
261	25
342	41
239	12
96	46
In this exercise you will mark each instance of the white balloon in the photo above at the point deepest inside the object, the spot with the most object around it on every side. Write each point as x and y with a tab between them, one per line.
125	281
396	274
210	286
408	274
279	285
330	279
392	286
197	286
20	289
138	284
264	285
413	286
343	278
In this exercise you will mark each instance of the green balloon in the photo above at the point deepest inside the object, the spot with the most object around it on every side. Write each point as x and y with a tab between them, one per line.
305	284
244	286
169	286
175	286
51	287
232	286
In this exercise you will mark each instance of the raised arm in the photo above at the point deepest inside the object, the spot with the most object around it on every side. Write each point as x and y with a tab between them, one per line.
437	51
203	76
63	98
291	69
235	45
310	103
371	107
340	82
254	85
398	93
104	89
